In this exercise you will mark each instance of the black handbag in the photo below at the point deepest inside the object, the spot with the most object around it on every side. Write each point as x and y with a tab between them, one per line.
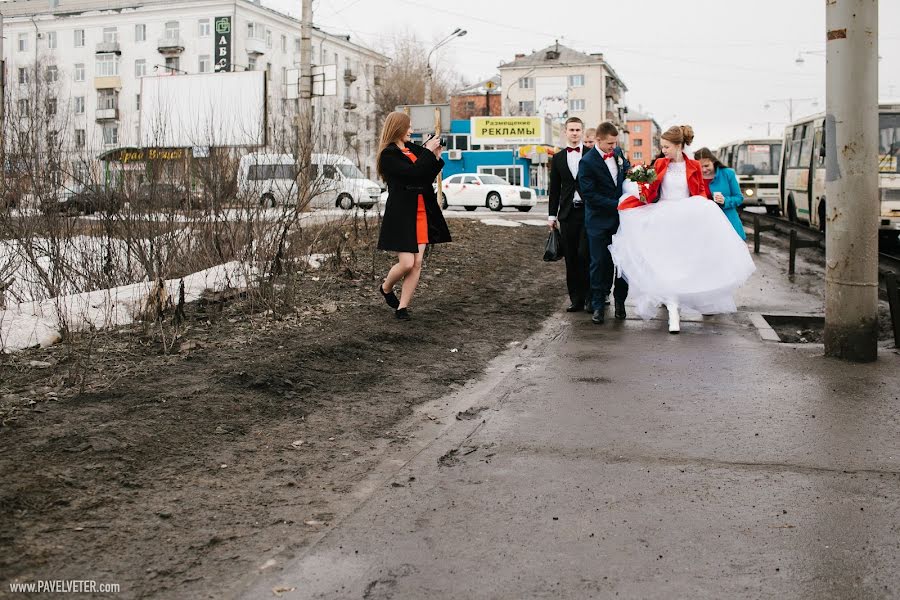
553	247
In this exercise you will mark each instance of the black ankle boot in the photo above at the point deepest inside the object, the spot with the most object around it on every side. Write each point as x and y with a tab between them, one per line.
389	297
402	314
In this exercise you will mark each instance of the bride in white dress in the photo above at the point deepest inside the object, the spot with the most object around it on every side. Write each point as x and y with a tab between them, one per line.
678	249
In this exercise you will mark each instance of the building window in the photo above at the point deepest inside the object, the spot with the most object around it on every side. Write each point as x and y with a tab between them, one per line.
636	128
205	63
140	68
79	139
79	105
106	100
638	142
110	134
204	28
79	72
51	106
298	44
51	39
268	38
79	38
526	83
24	107
637	155
23	42
52	73
172	30
576	105
140	33
576	81
256	31
107	65
173	64
284	44
23	75
526	107
251	63
110	35
470	106
512	174
283	74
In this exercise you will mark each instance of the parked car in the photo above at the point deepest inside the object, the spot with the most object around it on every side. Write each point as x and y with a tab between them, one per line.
83	199
156	195
472	190
337	182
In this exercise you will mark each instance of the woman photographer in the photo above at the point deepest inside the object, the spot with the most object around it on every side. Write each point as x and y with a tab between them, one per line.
412	218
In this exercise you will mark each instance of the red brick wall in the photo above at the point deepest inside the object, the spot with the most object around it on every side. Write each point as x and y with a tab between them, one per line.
463	107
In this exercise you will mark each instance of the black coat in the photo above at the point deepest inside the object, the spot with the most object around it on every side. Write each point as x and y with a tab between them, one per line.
405	181
562	186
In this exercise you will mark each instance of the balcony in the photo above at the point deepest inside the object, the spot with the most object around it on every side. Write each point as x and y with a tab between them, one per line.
349	104
113	82
349	76
255	47
109	48
107	114
170	45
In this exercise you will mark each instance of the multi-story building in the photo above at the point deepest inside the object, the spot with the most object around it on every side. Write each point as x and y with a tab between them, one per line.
85	60
560	82
643	138
481	99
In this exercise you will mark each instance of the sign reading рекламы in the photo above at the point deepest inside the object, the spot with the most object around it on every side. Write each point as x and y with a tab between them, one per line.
223	44
507	130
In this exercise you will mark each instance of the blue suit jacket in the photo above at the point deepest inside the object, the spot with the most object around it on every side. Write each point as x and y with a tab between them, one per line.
598	189
726	183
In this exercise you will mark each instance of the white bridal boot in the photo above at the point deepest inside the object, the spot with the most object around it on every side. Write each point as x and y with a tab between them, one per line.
674	318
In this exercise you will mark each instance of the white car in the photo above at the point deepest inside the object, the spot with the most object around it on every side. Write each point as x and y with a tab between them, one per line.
472	190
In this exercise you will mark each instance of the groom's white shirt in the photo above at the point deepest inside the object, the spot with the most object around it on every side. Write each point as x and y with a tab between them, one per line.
610	163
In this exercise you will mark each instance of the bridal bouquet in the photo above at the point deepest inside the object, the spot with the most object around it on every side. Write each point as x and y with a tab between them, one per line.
643	177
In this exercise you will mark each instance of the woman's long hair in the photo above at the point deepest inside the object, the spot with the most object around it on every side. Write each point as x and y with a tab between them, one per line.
708	154
394	130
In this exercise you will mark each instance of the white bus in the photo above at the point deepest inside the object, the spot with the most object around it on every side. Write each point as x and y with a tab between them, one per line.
756	162
803	170
272	178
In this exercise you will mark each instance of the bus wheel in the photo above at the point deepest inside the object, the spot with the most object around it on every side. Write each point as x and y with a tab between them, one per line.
345	201
792	210
822	216
772	210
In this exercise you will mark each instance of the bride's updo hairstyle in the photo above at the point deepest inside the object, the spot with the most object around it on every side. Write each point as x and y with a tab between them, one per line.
679	134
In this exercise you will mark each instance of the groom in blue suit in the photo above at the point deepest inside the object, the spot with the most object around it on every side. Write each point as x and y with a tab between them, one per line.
600	176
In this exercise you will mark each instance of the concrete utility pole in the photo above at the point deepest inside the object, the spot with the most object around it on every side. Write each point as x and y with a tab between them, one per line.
304	116
851	180
2	112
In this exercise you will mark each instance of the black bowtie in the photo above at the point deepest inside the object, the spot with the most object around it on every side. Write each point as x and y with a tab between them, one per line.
576	149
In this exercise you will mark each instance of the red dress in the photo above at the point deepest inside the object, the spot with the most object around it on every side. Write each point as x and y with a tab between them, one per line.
421	215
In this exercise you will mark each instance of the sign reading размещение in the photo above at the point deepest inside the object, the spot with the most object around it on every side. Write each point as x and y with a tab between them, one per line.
507	130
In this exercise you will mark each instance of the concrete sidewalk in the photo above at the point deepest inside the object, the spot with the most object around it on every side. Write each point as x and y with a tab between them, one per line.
620	461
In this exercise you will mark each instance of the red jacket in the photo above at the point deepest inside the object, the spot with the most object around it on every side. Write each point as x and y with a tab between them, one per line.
694	178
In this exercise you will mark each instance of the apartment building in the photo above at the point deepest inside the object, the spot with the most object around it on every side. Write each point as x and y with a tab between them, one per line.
643	137
559	82
85	59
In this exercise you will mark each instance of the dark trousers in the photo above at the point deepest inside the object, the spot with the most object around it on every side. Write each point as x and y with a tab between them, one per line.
577	255
602	269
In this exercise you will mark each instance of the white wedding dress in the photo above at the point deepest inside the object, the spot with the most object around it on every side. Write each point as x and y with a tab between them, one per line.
680	251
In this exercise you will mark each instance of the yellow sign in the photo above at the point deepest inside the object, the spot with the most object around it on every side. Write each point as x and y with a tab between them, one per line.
507	130
490	85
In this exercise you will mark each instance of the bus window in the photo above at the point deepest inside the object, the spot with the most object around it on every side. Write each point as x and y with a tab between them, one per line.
819	159
889	142
796	140
807	146
775	159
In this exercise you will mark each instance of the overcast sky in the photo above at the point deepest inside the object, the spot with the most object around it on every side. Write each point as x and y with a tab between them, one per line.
711	63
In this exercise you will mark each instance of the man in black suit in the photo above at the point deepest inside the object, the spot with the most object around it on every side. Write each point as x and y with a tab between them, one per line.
600	177
567	213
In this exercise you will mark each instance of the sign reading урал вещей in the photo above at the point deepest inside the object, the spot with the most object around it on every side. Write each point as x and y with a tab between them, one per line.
507	130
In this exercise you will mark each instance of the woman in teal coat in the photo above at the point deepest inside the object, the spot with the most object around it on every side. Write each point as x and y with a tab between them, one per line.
723	187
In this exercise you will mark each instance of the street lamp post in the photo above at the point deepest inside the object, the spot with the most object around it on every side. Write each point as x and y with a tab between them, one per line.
428	72
789	102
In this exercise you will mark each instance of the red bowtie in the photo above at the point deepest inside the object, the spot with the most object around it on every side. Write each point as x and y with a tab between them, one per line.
576	149
608	155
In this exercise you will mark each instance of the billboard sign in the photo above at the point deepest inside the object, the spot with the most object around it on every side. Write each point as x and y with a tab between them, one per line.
223	44
507	130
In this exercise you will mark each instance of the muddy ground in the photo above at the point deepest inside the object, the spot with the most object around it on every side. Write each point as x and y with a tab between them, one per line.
174	474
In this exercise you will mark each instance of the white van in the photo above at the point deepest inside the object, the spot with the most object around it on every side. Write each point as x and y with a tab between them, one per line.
337	182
